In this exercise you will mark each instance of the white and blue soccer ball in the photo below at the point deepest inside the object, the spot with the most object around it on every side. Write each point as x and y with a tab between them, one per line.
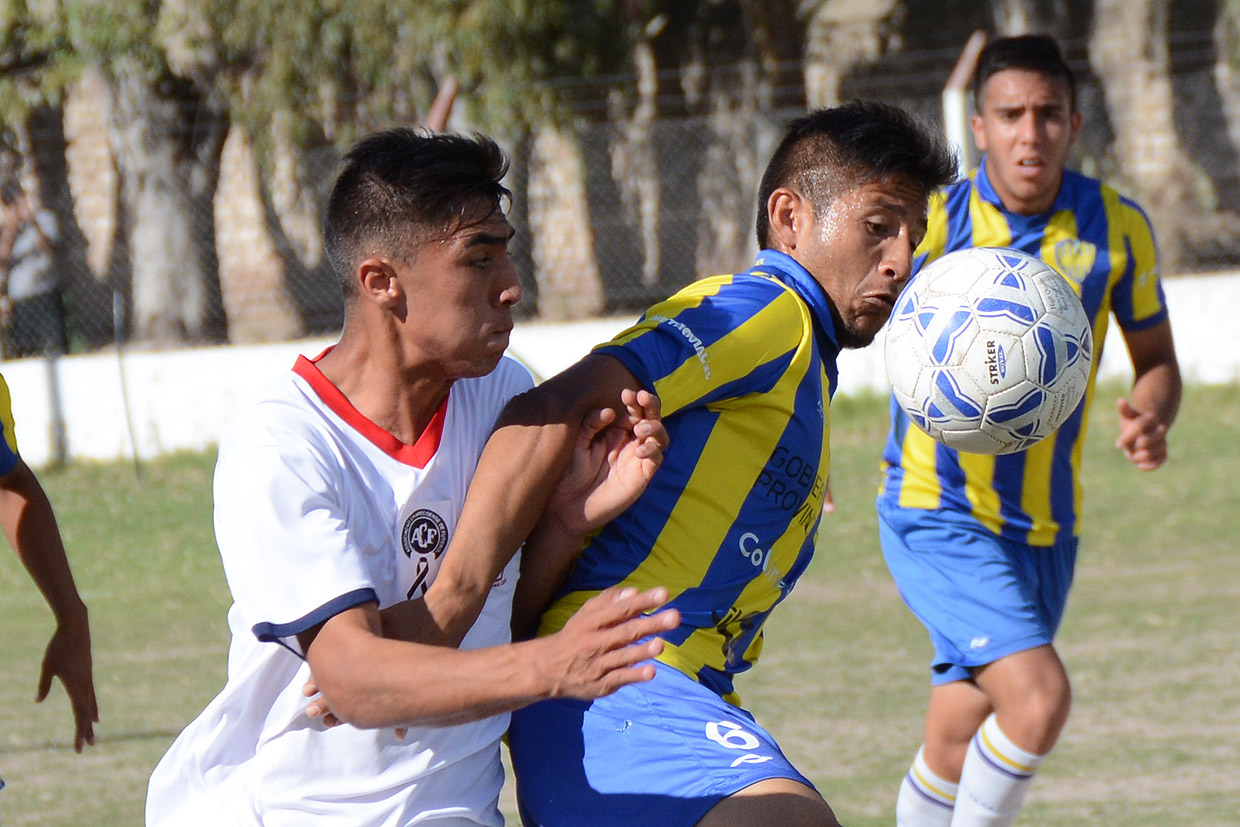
988	350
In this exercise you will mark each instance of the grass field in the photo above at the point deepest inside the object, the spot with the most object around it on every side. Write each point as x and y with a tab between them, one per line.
1151	639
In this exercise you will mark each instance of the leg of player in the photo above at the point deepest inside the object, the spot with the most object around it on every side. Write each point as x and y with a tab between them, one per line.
928	792
1031	696
775	802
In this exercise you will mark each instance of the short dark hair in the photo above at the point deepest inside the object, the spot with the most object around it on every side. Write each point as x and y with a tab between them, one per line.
1029	52
401	187
830	151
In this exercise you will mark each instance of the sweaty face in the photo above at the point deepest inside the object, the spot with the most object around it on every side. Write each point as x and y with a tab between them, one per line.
861	251
1026	127
460	290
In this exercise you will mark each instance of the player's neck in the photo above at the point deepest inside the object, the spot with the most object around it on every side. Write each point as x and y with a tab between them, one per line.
398	399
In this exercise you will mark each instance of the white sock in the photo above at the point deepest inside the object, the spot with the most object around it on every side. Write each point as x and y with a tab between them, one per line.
925	800
996	778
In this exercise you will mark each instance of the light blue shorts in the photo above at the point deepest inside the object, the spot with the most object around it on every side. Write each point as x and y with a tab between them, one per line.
663	752
980	597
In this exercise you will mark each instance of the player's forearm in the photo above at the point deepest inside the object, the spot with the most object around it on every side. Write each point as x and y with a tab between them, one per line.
520	465
1158	389
370	681
395	683
30	526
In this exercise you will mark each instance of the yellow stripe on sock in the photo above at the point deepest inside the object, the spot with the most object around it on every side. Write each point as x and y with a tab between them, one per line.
943	794
993	750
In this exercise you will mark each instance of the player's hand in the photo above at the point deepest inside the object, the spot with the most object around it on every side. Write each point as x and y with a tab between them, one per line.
68	658
1142	438
318	708
613	461
597	651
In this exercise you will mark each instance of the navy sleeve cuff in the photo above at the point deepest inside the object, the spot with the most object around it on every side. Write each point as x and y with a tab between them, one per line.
280	632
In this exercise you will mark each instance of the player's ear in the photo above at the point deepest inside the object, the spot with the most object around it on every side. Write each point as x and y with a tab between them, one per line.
789	215
979	134
1075	125
377	282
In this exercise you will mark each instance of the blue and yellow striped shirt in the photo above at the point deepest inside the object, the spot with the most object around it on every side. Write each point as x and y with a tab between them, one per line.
1102	243
8	445
744	366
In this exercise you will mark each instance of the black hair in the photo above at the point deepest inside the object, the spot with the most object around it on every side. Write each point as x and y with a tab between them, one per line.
399	188
1031	53
830	151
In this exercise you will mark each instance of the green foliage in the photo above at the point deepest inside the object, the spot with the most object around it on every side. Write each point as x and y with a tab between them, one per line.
333	67
36	61
344	68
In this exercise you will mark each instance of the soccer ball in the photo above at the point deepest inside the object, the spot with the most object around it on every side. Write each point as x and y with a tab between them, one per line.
988	350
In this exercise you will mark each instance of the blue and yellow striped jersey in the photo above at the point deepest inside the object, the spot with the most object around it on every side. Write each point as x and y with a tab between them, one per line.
8	446
1102	243
744	366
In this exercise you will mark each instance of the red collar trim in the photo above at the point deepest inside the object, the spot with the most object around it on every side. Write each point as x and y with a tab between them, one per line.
416	455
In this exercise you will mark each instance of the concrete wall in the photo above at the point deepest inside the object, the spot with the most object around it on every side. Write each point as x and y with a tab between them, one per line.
180	400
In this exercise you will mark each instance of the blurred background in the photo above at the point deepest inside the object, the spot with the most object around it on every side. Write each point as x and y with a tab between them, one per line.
180	150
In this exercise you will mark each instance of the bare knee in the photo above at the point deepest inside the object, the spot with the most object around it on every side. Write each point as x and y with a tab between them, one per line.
1031	701
775	802
1044	708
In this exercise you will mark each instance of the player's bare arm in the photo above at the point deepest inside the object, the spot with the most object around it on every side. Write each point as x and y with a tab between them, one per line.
516	475
372	682
1155	399
614	457
612	463
609	469
30	525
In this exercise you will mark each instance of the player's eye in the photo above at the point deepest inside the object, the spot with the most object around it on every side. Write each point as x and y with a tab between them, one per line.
879	228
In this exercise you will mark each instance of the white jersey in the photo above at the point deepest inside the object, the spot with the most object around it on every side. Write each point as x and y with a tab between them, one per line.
316	510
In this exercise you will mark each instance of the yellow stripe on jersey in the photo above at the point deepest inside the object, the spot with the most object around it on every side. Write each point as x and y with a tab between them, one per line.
989	227
936	229
921	490
1103	245
743	365
6	416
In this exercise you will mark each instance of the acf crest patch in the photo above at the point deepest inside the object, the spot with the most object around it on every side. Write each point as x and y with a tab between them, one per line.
423	538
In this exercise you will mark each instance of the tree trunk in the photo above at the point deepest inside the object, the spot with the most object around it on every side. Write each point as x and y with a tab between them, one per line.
1016	17
87	299
1227	81
293	198
168	137
841	35
1128	52
252	273
634	164
559	216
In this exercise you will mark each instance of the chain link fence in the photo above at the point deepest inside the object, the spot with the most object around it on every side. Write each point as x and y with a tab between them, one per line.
612	219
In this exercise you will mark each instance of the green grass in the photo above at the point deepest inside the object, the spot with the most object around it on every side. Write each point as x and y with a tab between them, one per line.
1150	638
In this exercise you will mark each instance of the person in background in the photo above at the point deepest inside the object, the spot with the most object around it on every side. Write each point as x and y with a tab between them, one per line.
31	305
983	548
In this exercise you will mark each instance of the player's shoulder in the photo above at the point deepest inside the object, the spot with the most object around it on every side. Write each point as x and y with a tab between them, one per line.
1121	208
727	299
282	413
